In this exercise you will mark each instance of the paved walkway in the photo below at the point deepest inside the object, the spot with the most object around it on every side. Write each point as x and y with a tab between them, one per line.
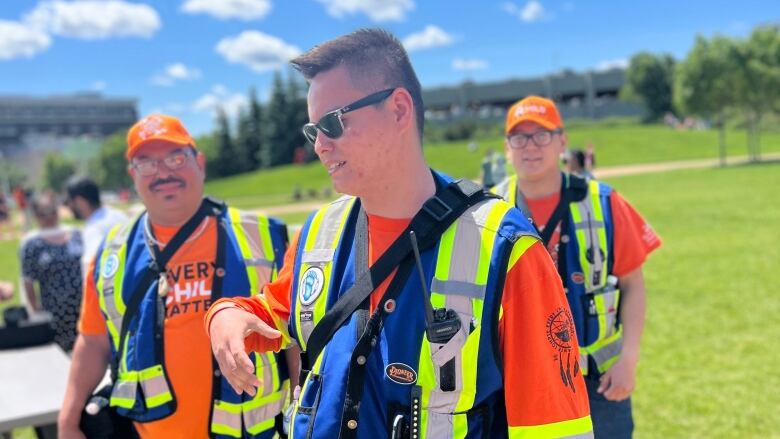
611	171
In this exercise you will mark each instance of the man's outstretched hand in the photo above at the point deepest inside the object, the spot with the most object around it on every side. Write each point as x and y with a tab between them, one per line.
229	327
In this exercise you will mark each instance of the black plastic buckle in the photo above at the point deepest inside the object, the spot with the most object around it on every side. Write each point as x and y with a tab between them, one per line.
437	208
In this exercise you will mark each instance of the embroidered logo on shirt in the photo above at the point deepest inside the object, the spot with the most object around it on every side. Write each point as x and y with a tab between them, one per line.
110	266
401	373
561	335
311	285
577	277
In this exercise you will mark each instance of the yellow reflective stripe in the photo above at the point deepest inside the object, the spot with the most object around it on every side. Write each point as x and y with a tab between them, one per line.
443	260
265	408
155	374
311	237
519	249
581	427
112	330
226	419
243	245
492	224
267	242
600	344
582	242
598	215
601	311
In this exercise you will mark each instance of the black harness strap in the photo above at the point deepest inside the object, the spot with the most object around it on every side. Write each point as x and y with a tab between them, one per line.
436	215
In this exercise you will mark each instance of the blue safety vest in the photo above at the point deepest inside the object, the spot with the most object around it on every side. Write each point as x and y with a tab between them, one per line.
254	248
379	367
585	261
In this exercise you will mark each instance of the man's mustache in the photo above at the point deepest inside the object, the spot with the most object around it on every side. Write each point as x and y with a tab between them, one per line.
168	180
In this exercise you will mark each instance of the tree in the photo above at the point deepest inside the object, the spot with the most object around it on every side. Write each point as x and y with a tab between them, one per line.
298	113
110	166
226	163
649	81
56	171
704	83
276	150
254	132
758	60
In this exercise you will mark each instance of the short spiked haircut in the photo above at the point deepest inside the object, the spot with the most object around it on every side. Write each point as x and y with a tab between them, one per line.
373	58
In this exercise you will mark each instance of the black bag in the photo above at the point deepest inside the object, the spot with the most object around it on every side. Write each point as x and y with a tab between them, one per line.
106	423
20	333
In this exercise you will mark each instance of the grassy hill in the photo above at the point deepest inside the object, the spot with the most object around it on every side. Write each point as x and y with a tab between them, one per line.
616	143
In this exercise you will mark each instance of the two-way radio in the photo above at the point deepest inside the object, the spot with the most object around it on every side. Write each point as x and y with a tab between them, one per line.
441	324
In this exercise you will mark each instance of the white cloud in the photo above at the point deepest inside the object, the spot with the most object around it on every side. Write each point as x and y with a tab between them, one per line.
19	41
469	64
226	9
175	72
98	86
532	11
620	63
93	20
431	36
220	97
376	10
259	51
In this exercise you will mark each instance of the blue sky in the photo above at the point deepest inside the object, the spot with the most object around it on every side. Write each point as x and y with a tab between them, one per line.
182	57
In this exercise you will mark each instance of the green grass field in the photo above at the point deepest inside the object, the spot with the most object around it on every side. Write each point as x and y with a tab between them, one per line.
710	350
616	143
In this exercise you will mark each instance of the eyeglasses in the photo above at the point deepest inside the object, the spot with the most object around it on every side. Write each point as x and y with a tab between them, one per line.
175	160
331	124
540	138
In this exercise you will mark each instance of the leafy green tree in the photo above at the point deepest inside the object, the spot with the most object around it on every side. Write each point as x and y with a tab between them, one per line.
227	162
57	169
110	166
276	150
649	81
704	83
253	132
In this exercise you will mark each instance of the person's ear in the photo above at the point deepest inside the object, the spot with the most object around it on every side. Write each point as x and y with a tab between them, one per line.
402	108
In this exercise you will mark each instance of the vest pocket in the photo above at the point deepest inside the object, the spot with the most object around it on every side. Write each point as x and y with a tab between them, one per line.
306	410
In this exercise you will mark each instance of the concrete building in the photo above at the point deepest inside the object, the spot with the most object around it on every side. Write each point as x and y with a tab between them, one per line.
586	95
31	127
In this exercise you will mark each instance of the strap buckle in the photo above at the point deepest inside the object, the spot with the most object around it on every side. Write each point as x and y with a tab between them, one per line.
437	208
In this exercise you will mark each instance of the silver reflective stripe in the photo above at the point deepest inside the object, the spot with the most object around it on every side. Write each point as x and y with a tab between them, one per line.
583	362
458	287
331	224
317	255
439	424
585	225
607	352
259	262
263	413
591	240
154	386
588	435
124	389
502	189
268	379
110	301
224	417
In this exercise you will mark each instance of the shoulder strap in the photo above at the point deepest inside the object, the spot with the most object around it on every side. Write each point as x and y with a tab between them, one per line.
157	266
436	215
573	189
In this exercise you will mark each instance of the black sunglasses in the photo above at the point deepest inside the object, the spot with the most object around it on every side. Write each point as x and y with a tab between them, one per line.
331	124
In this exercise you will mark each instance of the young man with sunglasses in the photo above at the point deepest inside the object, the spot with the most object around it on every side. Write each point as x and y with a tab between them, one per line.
425	307
147	290
598	242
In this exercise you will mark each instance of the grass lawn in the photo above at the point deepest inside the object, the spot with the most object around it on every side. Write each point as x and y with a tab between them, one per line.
615	143
710	350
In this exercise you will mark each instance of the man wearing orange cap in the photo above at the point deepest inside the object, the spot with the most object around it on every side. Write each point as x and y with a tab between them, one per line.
147	290
598	242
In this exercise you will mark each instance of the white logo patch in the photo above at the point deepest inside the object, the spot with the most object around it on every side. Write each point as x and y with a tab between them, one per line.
311	285
151	126
110	266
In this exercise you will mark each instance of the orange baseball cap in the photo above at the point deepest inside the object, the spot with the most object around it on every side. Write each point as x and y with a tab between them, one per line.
535	109
156	127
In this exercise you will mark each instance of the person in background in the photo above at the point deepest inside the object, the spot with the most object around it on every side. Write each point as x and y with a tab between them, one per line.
82	196
5	218
50	260
599	243
499	168
576	163
487	169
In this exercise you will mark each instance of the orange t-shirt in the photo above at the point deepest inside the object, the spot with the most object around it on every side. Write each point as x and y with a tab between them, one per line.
535	392
187	347
634	239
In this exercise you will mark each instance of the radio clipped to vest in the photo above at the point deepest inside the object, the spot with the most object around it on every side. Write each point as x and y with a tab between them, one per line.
441	324
610	287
